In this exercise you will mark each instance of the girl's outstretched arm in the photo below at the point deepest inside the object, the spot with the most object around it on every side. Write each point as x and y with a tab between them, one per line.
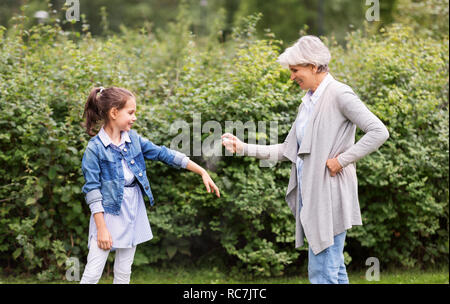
192	166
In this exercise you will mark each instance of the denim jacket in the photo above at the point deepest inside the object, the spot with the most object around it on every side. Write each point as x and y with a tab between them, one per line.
103	171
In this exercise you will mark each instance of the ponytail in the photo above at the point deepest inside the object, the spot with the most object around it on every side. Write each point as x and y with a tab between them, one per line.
98	104
91	112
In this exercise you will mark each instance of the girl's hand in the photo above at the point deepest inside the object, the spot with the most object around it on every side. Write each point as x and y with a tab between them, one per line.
104	240
209	183
334	166
232	143
192	166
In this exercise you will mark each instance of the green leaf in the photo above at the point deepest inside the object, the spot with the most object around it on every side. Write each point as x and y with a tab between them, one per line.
52	173
16	253
171	251
30	201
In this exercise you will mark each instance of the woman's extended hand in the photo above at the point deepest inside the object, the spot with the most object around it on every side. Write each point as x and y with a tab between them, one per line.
334	166
104	240
209	183
232	143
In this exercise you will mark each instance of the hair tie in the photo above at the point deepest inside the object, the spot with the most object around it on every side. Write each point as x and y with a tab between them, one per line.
101	89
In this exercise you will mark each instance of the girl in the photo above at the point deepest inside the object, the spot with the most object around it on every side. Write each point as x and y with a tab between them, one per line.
115	174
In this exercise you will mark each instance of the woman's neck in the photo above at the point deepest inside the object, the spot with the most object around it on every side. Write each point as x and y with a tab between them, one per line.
113	133
319	79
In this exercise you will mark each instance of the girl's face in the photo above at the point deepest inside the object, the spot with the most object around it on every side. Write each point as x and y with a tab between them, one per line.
124	118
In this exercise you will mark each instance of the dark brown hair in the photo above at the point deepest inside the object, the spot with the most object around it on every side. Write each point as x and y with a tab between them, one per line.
98	104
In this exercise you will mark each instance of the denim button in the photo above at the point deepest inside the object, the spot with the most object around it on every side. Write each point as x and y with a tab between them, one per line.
125	149
146	187
140	174
132	161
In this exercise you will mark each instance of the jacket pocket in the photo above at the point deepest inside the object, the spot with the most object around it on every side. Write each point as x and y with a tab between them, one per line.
109	189
108	170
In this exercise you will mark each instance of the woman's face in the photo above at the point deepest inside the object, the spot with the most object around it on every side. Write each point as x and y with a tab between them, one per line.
303	75
125	117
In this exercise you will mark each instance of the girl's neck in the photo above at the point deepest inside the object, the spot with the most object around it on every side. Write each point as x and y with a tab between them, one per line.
113	133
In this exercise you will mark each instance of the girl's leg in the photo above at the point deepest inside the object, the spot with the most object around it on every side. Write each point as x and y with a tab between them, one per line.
95	263
122	265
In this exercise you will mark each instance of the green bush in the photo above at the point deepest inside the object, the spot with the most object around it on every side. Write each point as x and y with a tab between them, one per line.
404	186
46	75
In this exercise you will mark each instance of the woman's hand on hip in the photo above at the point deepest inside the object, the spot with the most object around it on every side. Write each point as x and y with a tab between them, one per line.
334	166
232	143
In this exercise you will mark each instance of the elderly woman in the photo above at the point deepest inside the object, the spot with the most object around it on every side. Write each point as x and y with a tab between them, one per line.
322	191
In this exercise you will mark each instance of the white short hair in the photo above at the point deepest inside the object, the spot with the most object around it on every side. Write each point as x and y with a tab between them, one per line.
307	50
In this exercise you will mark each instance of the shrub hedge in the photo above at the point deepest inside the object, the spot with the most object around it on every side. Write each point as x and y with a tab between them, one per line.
46	75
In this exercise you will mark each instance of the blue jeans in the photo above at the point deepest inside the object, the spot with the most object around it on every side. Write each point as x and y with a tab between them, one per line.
327	267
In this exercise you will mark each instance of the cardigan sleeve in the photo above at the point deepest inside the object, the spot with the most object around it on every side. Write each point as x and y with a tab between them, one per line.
376	132
277	152
272	152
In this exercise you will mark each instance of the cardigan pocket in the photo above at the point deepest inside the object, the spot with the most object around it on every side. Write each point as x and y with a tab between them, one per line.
342	197
336	202
334	187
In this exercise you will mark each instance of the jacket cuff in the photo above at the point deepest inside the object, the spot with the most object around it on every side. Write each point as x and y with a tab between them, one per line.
180	160
96	207
93	196
184	162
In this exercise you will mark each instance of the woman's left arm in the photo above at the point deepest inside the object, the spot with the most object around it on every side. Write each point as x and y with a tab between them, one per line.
375	131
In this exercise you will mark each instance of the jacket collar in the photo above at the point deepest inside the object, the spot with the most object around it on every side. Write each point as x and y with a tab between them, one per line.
104	137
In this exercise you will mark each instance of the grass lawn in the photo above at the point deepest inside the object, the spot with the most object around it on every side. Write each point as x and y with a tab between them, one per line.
211	276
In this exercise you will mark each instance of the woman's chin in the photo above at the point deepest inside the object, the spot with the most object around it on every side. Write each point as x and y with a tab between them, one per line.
301	85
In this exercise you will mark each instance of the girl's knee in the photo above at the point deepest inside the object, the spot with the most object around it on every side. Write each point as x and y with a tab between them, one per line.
121	278
91	276
124	260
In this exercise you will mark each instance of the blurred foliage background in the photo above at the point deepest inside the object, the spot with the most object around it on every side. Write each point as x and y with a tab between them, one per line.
283	17
217	58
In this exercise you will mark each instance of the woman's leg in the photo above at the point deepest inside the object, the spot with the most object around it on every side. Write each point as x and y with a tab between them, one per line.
342	275
122	265
327	267
95	263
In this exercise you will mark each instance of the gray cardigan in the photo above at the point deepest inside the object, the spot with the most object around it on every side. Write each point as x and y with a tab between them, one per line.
330	204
